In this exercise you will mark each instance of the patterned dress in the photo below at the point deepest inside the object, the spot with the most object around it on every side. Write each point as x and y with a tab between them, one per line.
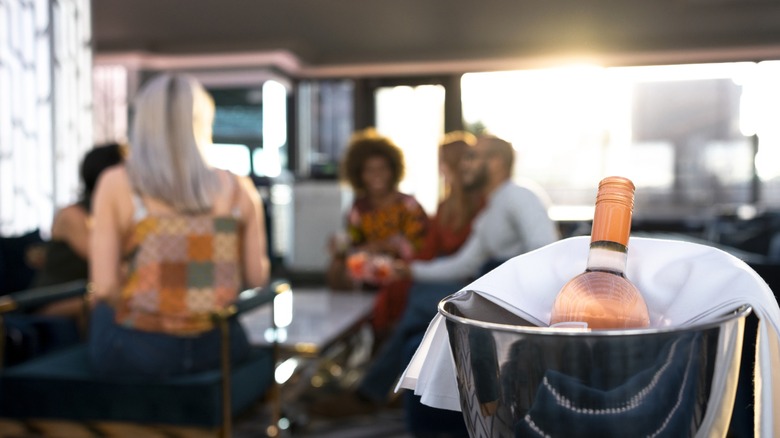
440	240
405	224
403	221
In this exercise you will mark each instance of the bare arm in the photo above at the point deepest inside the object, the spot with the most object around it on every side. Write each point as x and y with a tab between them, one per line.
254	245
105	248
465	263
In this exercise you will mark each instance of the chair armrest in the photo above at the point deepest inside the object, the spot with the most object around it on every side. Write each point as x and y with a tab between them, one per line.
253	298
30	298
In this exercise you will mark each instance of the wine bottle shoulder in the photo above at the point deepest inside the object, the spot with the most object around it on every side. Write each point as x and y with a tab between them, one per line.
602	300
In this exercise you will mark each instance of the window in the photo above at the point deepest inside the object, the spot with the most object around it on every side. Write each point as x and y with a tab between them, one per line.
413	117
256	119
232	157
45	109
325	124
683	133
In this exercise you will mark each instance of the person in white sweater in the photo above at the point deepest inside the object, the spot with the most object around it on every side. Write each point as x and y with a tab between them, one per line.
513	222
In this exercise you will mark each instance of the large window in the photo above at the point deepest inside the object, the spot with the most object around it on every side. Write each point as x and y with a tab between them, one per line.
45	108
413	117
110	86
325	122
410	111
250	129
683	133
250	138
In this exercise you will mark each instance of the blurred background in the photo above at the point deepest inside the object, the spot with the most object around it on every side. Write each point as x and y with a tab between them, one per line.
679	95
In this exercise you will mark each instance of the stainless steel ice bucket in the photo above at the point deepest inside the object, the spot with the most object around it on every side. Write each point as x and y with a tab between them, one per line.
518	380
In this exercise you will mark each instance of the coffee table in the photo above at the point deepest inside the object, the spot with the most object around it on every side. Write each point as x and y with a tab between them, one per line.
320	318
324	340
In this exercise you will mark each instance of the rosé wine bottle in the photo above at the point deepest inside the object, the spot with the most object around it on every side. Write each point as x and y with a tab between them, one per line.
602	297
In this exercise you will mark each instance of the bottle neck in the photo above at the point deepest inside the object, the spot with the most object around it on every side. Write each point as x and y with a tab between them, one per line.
607	256
611	225
611	222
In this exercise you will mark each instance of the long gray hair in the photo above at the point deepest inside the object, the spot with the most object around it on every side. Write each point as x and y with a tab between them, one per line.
172	121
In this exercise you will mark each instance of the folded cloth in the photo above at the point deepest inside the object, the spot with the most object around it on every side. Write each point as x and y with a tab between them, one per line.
683	283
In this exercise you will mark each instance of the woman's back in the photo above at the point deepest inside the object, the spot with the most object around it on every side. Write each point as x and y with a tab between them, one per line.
116	216
173	240
181	267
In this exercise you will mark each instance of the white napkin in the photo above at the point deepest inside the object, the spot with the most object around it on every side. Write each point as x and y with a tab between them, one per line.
682	282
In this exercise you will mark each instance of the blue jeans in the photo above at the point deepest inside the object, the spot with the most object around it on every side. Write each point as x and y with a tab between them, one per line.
389	362
120	352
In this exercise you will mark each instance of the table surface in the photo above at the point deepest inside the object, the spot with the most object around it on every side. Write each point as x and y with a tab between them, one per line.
320	317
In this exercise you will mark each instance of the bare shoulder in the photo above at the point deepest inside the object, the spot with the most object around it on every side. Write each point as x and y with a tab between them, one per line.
246	187
114	192
69	217
240	191
114	177
232	183
73	211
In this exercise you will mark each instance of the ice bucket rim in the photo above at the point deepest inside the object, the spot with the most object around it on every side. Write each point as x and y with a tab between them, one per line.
739	312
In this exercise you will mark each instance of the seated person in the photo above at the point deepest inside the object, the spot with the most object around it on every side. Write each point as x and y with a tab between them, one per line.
173	240
514	221
382	220
64	257
447	230
60	260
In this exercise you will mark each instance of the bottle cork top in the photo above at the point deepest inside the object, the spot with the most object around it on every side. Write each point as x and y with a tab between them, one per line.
614	207
616	189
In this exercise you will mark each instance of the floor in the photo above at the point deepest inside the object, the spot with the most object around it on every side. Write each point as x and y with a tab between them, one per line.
341	369
388	423
332	375
385	424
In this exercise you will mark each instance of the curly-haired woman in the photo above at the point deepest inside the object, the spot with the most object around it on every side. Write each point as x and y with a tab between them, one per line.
382	220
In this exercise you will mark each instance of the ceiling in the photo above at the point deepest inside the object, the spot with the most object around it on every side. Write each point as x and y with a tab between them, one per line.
401	36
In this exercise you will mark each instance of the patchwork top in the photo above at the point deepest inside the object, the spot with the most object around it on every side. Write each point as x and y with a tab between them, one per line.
181	269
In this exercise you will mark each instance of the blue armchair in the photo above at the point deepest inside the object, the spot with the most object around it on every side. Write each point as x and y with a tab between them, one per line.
60	385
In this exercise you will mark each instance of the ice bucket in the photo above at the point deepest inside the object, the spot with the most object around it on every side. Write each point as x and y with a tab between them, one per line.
518	380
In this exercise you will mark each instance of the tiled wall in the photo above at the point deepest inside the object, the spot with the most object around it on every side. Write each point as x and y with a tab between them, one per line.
45	108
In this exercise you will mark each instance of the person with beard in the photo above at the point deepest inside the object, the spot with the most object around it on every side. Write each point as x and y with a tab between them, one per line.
513	221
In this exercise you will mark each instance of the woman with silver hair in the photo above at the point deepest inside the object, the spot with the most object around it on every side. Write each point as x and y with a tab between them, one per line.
173	240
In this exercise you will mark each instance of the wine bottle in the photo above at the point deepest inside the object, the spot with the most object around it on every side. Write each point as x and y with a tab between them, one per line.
602	297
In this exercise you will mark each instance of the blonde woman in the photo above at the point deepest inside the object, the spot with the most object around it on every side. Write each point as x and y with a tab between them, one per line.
173	240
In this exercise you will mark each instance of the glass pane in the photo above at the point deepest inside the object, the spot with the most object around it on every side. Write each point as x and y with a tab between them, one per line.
325	124
274	115
266	162
239	114
413	117
763	101
274	128
675	130
232	157
109	84
32	84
